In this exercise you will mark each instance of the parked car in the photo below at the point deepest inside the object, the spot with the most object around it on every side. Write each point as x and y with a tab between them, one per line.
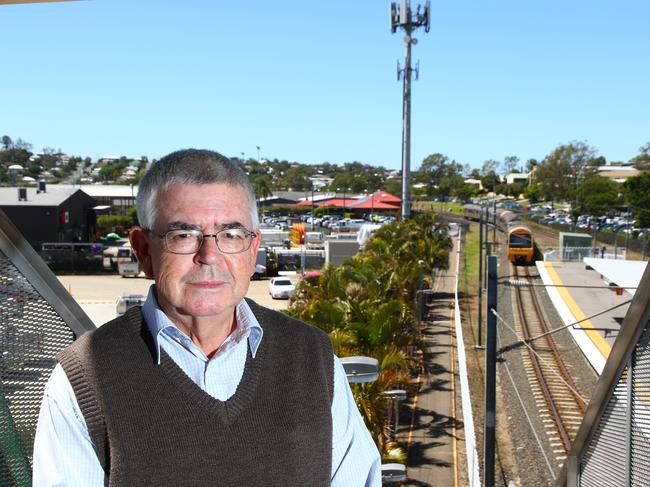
125	269
260	271
127	301
281	287
347	225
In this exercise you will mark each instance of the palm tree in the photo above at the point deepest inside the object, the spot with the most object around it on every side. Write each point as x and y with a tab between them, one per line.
262	188
366	305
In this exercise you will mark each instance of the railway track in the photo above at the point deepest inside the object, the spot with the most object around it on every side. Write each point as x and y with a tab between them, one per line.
561	406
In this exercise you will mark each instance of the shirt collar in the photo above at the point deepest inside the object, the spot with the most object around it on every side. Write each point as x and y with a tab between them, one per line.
158	322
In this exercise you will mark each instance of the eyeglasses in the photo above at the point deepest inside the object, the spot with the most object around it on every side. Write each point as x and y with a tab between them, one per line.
229	240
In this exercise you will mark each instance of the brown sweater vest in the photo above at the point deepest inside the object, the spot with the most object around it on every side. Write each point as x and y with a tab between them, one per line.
151	425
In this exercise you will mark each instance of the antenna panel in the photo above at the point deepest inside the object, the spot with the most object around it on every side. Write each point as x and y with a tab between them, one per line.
404	16
393	17
427	15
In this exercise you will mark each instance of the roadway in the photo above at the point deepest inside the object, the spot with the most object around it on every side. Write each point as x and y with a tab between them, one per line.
98	294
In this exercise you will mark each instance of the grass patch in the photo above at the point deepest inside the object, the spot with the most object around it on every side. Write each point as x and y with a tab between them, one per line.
471	253
438	207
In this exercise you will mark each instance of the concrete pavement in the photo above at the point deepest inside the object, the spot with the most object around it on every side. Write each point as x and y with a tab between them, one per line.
432	430
98	294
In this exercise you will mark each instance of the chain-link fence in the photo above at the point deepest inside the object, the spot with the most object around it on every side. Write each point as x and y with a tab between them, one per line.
38	318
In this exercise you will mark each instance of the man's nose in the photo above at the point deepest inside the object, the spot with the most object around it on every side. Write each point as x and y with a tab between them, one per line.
209	253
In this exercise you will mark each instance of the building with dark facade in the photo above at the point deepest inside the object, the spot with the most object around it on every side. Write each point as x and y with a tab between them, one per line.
51	215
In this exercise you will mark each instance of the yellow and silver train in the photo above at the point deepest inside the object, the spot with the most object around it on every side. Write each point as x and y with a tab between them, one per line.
521	246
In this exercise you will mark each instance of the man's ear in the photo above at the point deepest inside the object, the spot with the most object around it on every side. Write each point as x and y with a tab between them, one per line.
140	244
255	245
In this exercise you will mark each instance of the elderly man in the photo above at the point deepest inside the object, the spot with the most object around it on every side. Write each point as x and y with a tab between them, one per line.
200	386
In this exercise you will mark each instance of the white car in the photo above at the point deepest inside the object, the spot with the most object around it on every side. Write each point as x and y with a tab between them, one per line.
281	287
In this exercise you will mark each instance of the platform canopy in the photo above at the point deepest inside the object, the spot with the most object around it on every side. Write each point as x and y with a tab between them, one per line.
623	273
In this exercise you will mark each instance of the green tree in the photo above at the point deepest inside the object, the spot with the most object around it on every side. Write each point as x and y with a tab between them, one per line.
15	152
262	187
366	307
440	174
489	166
533	192
637	195
490	180
597	195
7	142
564	169
531	164
642	160
467	191
510	164
450	185
394	187
296	178
119	224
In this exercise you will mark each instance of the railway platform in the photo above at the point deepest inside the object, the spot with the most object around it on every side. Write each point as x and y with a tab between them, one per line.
595	295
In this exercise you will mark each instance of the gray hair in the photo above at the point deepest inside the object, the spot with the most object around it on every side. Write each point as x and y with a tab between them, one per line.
190	166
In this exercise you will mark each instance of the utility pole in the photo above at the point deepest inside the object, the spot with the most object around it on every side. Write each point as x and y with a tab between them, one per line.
403	17
490	373
480	277
494	223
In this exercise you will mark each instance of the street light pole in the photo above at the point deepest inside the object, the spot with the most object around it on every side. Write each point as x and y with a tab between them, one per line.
313	215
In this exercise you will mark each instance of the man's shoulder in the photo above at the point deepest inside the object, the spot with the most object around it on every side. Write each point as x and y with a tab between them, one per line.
124	326
269	318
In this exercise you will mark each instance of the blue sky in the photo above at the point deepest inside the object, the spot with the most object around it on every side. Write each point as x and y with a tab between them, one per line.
316	81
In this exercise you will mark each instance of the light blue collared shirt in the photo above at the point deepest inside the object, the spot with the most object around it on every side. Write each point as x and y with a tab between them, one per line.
63	451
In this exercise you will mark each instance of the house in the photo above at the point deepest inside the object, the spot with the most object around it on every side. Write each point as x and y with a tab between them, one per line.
118	198
49	216
319	182
618	173
474	182
516	177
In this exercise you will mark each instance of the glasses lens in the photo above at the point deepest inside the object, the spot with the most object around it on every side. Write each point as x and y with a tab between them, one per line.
183	241
233	240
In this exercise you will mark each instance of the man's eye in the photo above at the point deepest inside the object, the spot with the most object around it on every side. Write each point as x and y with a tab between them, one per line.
233	234
183	236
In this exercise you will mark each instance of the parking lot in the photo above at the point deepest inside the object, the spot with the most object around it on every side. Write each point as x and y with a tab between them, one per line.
98	294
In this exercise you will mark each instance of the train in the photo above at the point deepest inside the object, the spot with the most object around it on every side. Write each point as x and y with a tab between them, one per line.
522	249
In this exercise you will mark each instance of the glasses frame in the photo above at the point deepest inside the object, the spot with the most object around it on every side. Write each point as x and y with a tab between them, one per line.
163	236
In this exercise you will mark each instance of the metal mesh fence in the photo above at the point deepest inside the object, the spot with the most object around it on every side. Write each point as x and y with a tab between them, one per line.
603	464
31	334
619	451
640	434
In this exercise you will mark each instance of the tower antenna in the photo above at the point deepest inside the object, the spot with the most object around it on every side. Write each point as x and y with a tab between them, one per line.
402	17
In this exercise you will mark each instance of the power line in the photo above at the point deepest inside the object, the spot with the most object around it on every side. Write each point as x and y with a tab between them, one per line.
530	421
550	366
523	342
